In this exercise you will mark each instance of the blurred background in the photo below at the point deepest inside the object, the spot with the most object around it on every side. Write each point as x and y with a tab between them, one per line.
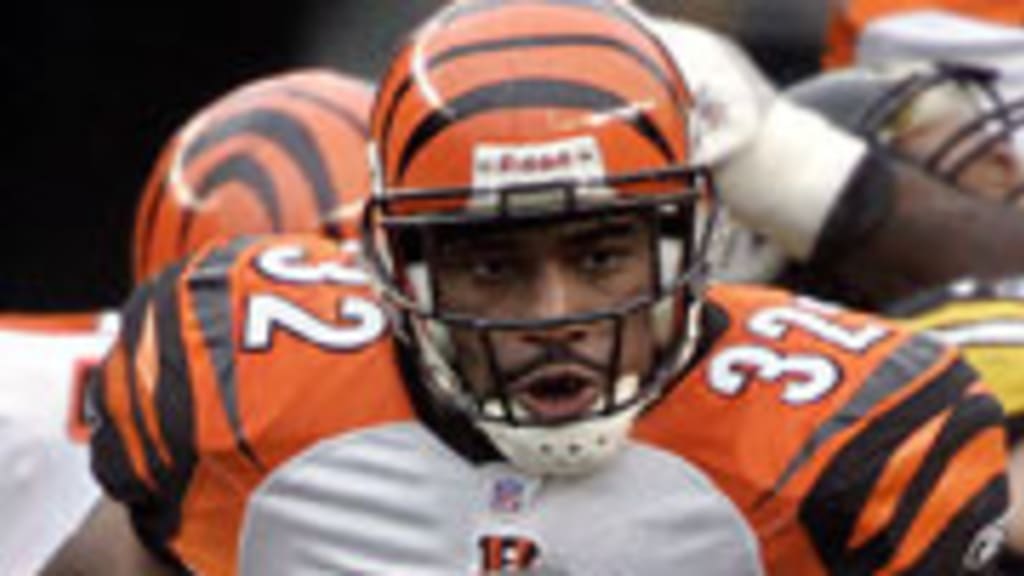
92	89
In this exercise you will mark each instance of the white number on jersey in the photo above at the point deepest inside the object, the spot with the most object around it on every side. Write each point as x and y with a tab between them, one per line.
360	321
805	377
812	317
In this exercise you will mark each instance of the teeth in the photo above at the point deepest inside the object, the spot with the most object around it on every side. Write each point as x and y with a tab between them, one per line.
494	409
519	411
627	388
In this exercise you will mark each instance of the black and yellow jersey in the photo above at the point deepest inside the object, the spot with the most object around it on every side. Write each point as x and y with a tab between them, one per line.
986	320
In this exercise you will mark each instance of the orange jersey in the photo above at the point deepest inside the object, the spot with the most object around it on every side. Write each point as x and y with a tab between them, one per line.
851	446
850	18
256	411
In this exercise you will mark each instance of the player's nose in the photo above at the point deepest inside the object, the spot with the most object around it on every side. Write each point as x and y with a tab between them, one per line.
553	292
554	296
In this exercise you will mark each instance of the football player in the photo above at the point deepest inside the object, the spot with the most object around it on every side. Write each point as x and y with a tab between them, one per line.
558	390
963	124
848	209
284	154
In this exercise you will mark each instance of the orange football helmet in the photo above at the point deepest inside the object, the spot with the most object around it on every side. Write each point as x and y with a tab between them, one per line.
498	113
285	154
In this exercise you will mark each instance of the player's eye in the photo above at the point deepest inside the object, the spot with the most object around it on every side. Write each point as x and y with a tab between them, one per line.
602	260
489	269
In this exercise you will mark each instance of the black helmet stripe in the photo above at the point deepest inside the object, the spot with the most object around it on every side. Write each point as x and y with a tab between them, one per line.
287	132
661	75
348	117
527	43
527	93
241	168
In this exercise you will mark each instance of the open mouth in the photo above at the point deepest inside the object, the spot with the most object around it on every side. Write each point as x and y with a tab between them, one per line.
557	394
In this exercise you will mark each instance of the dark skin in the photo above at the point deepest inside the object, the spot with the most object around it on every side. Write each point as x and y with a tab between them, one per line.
545	272
936	234
932	235
105	544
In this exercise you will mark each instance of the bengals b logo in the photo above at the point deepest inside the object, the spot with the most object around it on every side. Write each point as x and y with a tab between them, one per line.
507	554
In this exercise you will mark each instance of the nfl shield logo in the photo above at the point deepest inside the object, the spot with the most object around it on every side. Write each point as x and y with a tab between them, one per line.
507	496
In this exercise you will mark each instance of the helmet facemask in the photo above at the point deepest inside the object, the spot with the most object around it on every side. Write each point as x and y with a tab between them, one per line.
496	131
563	407
991	129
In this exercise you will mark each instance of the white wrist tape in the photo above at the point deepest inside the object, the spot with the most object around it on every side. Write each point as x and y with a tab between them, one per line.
785	182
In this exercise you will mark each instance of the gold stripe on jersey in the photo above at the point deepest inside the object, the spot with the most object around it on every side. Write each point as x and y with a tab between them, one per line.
991	335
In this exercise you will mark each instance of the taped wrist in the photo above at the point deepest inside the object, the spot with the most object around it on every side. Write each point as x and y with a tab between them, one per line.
786	182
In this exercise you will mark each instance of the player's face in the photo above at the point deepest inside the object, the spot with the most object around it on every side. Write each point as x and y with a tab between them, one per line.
543	272
991	175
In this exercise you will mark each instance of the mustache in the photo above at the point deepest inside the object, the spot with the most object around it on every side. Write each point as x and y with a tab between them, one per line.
555	353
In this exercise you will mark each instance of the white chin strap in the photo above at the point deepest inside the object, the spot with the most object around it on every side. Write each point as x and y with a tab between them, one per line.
581	447
570	449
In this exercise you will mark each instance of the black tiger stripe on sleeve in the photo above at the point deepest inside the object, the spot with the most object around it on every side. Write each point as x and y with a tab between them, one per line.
910	362
114	438
834	504
970	418
151	485
175	408
528	93
210	285
971	540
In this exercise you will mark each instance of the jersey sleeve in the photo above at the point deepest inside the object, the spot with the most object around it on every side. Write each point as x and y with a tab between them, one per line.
921	488
238	360
140	414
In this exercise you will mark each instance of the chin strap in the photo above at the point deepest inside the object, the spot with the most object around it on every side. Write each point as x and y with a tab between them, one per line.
566	450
